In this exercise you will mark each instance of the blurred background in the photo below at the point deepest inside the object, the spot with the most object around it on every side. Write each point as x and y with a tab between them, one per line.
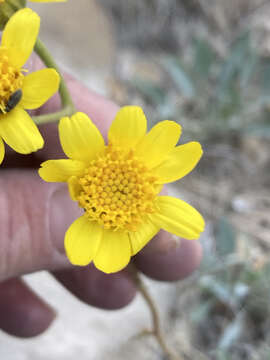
206	65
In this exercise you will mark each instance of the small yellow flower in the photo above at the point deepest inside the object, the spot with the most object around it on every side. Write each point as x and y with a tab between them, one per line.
118	185
17	91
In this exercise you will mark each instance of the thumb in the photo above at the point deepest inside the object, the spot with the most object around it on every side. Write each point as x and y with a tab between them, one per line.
34	217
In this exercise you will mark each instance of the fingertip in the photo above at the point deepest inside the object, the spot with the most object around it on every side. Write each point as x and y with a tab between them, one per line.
37	321
106	291
22	312
176	263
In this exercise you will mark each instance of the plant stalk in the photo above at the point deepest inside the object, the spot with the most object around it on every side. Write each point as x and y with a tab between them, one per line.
68	107
156	331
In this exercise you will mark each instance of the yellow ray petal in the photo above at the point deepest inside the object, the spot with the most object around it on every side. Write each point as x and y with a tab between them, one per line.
179	162
2	150
114	252
128	127
60	170
82	241
20	34
80	138
19	131
178	217
74	187
139	238
38	87
158	143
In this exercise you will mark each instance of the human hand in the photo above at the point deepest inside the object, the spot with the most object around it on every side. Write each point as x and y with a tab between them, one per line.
34	216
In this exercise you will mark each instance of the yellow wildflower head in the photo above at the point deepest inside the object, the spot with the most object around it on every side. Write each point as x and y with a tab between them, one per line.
19	91
118	184
117	189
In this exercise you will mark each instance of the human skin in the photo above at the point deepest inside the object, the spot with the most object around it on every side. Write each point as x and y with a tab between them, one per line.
34	216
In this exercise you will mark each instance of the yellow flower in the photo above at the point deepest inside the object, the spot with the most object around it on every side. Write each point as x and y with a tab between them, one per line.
17	91
118	185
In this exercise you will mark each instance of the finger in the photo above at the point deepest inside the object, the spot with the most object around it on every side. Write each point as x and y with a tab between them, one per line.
165	260
34	218
107	291
22	312
33	223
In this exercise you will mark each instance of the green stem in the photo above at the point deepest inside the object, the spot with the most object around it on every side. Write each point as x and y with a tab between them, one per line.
68	107
49	118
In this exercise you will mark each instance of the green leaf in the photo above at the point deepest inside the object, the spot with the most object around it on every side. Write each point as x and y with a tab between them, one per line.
180	77
233	64
232	332
201	312
153	94
218	289
260	130
222	355
248	69
225	238
265	77
203	58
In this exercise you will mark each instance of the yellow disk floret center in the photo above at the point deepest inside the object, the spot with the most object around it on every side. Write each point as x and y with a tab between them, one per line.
11	80
117	190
